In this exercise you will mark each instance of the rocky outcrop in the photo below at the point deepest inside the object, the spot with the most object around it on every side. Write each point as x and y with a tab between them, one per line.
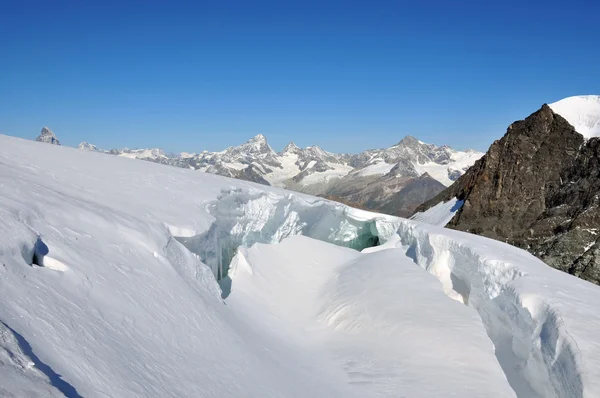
48	137
536	188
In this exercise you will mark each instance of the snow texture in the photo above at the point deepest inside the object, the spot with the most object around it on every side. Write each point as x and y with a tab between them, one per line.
99	297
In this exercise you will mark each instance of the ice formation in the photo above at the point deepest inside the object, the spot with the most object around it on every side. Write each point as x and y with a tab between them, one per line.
244	218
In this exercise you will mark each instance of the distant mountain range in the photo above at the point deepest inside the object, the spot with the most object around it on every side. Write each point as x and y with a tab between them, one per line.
392	180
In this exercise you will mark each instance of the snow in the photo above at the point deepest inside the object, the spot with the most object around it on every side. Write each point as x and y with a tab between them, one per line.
235	166
460	161
582	112
338	171
288	170
440	214
143	154
123	300
373	320
378	168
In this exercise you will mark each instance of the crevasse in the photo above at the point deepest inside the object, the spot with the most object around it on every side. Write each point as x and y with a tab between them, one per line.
535	352
243	218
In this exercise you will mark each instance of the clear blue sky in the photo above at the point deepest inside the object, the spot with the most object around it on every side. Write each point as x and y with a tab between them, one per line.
347	75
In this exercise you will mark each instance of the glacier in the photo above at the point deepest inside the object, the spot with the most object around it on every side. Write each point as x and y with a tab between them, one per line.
109	286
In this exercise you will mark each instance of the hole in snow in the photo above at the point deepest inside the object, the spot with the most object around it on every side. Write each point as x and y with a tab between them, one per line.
34	254
243	219
37	254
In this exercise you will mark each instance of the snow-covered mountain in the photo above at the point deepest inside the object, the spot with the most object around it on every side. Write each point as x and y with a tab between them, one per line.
372	179
47	136
127	279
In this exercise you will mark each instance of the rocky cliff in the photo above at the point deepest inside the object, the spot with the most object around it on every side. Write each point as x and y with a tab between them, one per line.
536	188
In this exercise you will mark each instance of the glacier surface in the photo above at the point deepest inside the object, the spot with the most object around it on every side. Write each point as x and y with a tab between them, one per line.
108	287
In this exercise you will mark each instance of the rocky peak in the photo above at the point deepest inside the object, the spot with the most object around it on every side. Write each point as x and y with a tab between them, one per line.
258	138
86	146
409	141
47	136
256	145
291	148
536	188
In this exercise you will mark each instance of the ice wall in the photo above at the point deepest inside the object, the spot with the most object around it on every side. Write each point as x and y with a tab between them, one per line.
243	218
538	355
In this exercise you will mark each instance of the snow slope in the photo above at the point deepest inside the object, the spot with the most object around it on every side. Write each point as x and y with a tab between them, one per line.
440	214
126	302
582	112
376	321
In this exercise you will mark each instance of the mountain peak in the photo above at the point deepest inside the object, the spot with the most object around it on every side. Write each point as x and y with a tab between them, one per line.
255	145
47	136
86	146
258	138
291	148
409	140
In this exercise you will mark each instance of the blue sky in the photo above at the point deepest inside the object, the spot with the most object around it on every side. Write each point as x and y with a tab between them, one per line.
346	75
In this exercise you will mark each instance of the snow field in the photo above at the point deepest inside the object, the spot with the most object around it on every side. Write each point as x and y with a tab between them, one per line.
134	312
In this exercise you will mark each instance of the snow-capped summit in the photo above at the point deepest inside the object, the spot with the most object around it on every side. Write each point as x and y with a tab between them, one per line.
291	148
47	136
371	177
256	145
86	146
582	112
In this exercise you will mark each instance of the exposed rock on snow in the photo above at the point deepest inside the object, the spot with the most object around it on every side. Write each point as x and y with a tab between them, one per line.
47	136
86	146
537	188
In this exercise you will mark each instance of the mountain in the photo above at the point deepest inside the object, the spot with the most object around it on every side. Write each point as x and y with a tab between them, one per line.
405	174
121	278
538	187
47	136
86	146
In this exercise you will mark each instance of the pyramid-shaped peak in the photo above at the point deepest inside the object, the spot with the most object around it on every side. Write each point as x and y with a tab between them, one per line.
255	145
258	138
47	136
291	148
409	140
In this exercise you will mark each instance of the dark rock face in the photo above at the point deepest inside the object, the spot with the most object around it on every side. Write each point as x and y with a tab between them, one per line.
418	190
386	194
537	188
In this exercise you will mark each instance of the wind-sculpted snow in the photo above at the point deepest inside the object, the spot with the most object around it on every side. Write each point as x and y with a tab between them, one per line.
98	292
